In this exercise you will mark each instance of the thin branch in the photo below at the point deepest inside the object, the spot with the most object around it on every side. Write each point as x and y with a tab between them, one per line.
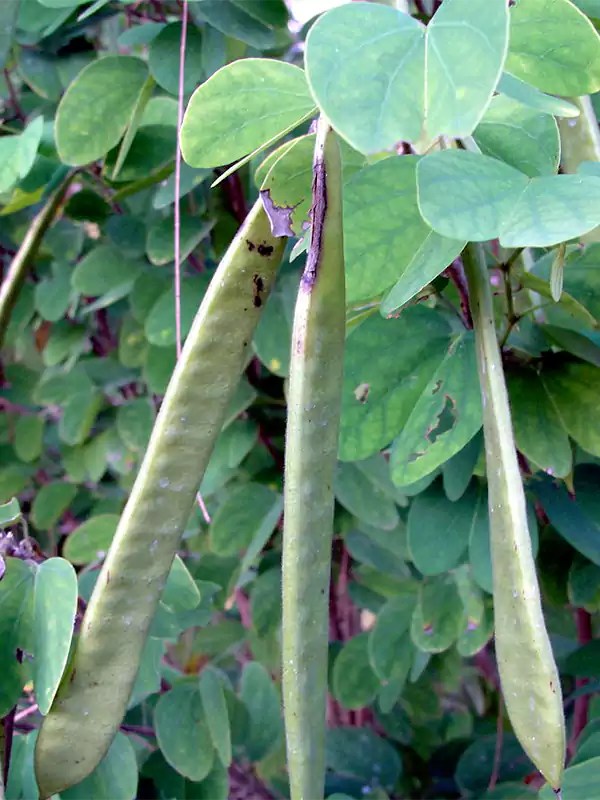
498	749
456	274
583	620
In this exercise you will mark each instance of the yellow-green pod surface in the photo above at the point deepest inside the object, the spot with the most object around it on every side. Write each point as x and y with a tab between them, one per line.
92	699
528	674
314	403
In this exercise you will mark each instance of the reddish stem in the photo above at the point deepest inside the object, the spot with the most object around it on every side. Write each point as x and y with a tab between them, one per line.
583	620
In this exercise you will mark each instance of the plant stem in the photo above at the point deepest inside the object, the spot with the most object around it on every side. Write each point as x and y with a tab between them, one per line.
17	272
583	620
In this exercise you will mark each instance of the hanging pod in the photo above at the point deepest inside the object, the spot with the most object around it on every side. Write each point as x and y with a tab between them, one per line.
528	673
93	696
314	405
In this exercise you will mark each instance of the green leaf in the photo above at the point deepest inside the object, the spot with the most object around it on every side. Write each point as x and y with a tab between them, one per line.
53	295
385	237
445	416
29	437
158	368
91	540
526	139
365	64
539	429
360	753
55	606
581	276
459	469
135	421
163	58
573	342
8	17
265	99
554	47
273	335
379	390
40	72
355	685
573	390
182	731
439	530
579	782
495	200
357	492
390	648
96	108
529	96
438	617
577	519
16	601
247	512
265	602
480	761
233	20
51	502
105	270
263	703
79	414
13	480
181	592
215	710
148	288
115	777
160	323
467	44
480	555
18	153
10	513
161	243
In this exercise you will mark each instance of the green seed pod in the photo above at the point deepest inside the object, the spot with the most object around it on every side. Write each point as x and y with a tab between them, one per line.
92	699
528	674
314	405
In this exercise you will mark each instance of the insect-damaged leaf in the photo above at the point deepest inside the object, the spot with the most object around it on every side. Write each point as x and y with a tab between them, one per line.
446	415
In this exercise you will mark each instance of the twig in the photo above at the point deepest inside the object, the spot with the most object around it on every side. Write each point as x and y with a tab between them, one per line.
456	274
14	100
17	272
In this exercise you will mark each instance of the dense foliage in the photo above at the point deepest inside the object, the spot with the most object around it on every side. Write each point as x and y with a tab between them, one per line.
108	245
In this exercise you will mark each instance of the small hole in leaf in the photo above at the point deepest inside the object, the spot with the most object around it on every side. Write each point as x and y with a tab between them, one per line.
445	421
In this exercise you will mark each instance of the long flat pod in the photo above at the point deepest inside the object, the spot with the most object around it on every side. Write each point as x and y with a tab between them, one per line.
93	697
528	674
314	404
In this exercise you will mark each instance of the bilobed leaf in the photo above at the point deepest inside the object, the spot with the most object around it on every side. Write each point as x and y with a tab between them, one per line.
521	137
182	731
445	416
387	364
554	47
55	605
467	44
265	99
386	240
494	200
365	64
215	710
96	109
91	540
